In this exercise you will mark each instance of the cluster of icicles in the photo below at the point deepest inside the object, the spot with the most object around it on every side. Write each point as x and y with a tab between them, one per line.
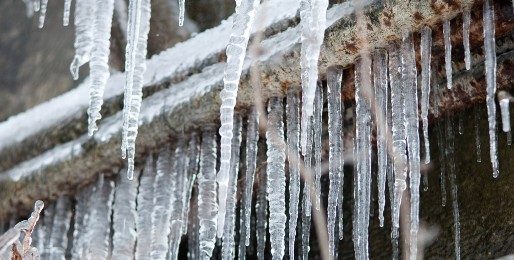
93	21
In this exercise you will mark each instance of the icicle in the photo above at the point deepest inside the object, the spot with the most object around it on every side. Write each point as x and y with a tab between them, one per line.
293	144
80	222
120	9
61	224
318	129
399	141
252	137
425	181
66	13
207	205
442	158
409	81
164	187
313	19
84	30
236	52
363	155
193	159
181	11
228	247
450	153
47	226
261	206
504	99
448	53
192	236
99	63
306	196
178	187
477	135
335	159
145	207
466	22
135	66
124	218
276	181
42	13
490	74
29	7
98	227
380	85
426	57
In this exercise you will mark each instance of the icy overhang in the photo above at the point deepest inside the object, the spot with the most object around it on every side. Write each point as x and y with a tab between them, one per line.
47	151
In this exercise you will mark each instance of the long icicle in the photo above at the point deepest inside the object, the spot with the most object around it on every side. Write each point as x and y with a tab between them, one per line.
409	81
293	145
144	210
178	192
276	179
135	68
399	141
42	13
261	212
313	19
236	52
84	30
380	85
426	57
363	155
61	224
228	246
477	134
335	159
450	153
306	195
207	204
193	159
318	129
490	74
466	23
448	53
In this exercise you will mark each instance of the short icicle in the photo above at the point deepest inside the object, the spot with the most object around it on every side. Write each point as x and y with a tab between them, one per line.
207	204
276	179
66	13
363	93
490	75
236	52
144	210
335	159
466	23
293	145
84	34
124	218
181	11
426	57
380	83
42	13
448	53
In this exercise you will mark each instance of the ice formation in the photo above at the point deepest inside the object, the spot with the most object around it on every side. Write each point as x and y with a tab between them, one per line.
448	53
426	57
236	52
66	12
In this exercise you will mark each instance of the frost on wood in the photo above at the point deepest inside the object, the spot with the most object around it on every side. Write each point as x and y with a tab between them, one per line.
399	140
228	246
61	224
236	52
293	158
380	83
124	217
163	187
313	20
466	23
144	208
252	138
363	156
99	63
426	57
490	75
207	204
99	222
335	159
276	179
135	66
448	53
409	82
84	34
